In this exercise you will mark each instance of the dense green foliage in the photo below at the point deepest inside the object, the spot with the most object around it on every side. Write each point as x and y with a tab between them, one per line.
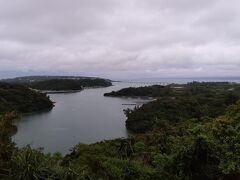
177	103
21	99
59	83
189	89
194	137
68	84
153	91
177	109
26	79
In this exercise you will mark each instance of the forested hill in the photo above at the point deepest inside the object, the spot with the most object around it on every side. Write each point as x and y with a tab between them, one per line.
26	79
175	103
177	89
21	99
153	91
58	83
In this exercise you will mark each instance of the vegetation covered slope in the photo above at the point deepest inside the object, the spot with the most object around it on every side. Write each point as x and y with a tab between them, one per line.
177	109
68	84
188	89
176	103
21	99
26	79
153	91
58	83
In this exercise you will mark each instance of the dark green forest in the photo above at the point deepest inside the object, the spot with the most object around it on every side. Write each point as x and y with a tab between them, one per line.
173	90
22	99
189	132
178	103
59	83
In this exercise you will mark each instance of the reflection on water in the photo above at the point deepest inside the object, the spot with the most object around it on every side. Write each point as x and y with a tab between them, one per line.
83	117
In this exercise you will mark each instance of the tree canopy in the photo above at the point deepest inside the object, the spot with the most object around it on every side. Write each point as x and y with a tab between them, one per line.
59	83
22	99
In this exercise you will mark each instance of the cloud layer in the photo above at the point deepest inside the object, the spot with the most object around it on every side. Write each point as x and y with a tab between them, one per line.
121	39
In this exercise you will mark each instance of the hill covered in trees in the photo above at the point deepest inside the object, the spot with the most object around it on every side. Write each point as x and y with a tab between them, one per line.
192	88
152	91
194	134
22	99
59	83
177	102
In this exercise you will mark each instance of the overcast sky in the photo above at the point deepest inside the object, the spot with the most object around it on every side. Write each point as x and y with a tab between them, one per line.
120	39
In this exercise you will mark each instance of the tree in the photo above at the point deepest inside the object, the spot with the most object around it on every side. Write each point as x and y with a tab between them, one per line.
6	144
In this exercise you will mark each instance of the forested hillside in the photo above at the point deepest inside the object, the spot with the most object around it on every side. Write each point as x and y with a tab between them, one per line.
22	99
193	88
59	83
176	103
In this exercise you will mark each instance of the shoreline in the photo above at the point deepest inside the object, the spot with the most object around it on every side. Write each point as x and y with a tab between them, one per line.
69	91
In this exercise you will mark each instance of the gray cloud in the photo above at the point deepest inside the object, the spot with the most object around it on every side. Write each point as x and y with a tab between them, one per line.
113	38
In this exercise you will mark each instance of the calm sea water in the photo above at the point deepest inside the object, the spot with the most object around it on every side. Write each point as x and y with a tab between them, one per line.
83	117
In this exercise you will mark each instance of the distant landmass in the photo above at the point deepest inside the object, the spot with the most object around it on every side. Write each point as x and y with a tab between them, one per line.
183	79
59	83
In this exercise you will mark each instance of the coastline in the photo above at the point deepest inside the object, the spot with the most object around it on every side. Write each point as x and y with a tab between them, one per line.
70	91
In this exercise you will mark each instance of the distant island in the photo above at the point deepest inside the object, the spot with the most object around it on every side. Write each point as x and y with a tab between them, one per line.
59	83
